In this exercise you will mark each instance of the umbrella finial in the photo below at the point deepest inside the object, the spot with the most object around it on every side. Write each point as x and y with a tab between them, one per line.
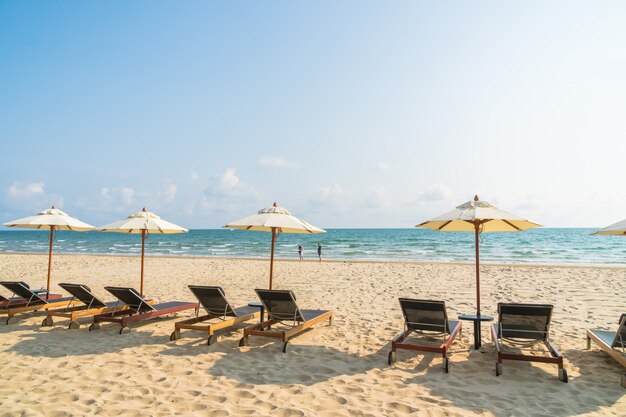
144	209
275	204
53	206
476	197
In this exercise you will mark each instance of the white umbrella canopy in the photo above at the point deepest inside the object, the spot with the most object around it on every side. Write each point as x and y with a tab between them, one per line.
478	216
277	218
489	217
50	219
616	229
274	220
143	222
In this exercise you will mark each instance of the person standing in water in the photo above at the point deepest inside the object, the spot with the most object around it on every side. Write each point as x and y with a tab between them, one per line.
301	252
319	251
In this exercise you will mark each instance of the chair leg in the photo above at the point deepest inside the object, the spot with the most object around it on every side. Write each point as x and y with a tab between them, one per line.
623	380
588	343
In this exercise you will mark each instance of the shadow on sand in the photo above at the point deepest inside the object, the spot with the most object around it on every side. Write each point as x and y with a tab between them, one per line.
58	341
263	362
523	389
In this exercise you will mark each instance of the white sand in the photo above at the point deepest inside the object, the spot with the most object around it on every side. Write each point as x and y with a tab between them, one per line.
339	370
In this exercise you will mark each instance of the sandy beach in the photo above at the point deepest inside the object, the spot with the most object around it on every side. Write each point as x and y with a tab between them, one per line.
338	370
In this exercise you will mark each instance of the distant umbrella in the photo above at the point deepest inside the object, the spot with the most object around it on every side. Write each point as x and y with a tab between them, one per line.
478	216
274	220
144	223
51	219
616	229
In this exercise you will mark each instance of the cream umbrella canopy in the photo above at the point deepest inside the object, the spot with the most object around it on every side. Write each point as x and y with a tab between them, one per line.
51	219
144	223
616	229
478	216
274	220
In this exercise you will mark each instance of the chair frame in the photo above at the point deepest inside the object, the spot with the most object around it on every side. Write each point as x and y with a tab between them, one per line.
448	334
554	358
132	314
620	357
198	323
263	329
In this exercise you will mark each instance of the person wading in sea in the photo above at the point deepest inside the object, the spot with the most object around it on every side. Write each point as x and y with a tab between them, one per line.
301	252
319	251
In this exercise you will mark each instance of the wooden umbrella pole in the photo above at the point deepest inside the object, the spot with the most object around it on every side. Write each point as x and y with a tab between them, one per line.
272	256
49	262
143	244
476	233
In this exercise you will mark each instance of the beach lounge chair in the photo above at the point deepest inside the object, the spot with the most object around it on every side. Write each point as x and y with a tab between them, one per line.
613	343
521	327
15	301
138	309
430	320
91	306
25	300
213	300
282	309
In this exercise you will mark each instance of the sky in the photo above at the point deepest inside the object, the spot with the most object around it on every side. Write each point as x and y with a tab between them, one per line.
348	114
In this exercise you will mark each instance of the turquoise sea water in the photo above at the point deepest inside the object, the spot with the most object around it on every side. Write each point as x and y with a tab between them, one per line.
539	246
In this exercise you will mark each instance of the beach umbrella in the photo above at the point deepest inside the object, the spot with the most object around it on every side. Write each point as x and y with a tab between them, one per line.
478	216
616	229
51	219
144	223
274	220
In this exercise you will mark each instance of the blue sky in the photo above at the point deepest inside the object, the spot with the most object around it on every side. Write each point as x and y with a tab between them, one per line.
350	114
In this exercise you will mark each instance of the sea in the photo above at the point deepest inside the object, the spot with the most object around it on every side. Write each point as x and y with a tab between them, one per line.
552	246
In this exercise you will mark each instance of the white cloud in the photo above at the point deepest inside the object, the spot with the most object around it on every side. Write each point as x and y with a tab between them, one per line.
335	199
105	192
437	192
276	162
228	194
333	194
383	166
25	190
194	176
228	180
127	195
169	191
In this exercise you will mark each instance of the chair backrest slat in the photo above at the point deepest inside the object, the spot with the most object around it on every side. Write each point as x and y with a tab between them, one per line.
280	305
524	321
425	315
84	294
131	298
213	300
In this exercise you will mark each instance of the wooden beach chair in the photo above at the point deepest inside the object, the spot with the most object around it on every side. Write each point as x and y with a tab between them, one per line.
218	309
428	319
91	306
521	327
16	300
26	300
613	343
282	310
137	309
